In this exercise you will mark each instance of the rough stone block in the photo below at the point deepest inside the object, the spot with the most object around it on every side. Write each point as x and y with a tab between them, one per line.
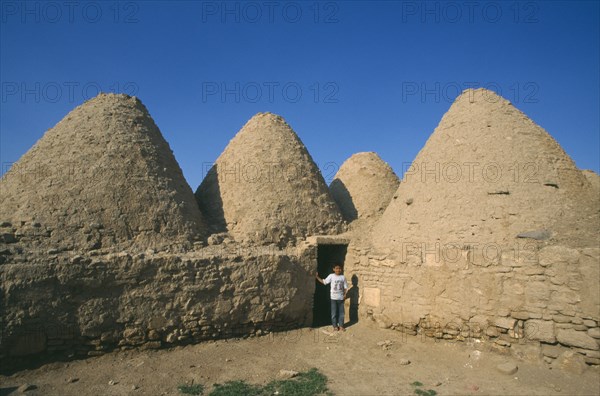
591	360
534	270
590	323
382	321
492	331
508	368
505	323
558	254
521	315
503	312
561	319
152	345
153	335
594	333
570	361
576	338
540	330
552	351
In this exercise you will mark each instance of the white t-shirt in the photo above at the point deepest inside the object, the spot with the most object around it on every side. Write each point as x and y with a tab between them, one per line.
338	285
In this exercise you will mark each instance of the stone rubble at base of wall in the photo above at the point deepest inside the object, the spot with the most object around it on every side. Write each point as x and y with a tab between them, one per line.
537	304
87	306
498	339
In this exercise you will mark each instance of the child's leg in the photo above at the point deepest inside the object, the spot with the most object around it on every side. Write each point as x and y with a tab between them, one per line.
333	313
341	313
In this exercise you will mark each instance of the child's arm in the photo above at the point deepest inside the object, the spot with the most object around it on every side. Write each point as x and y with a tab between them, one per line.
345	287
319	278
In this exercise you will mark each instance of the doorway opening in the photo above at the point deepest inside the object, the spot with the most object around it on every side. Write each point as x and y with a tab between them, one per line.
327	256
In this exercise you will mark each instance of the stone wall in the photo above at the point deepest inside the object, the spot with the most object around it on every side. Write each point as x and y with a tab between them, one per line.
85	306
532	295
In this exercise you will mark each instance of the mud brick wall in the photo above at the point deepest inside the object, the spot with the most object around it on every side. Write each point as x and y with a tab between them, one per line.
85	306
535	299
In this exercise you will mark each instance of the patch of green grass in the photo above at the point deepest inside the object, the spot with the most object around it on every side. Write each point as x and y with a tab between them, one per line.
235	388
423	392
196	389
428	392
308	383
311	382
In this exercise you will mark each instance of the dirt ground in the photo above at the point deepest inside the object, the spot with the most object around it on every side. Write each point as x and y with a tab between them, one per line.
353	362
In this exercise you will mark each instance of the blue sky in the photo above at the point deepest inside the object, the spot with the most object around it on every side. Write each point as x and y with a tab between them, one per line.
347	76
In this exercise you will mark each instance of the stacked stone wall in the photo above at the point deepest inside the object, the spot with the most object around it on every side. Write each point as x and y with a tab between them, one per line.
86	306
531	298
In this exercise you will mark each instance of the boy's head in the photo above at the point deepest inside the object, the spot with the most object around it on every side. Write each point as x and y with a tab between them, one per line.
337	269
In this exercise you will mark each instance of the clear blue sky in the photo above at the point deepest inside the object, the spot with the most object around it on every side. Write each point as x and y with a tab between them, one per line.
373	76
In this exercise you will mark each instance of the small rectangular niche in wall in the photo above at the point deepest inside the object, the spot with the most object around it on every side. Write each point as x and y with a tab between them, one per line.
371	296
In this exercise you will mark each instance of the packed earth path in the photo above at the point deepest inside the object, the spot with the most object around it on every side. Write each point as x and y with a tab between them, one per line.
363	360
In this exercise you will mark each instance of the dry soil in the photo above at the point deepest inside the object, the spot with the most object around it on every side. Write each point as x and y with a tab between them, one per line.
353	362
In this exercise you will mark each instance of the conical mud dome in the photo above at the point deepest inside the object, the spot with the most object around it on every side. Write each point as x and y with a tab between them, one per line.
363	186
489	174
593	178
102	177
266	188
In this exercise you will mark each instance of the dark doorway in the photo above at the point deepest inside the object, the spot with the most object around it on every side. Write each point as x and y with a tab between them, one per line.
327	256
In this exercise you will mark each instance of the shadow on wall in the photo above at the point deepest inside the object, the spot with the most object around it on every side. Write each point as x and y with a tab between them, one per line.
353	295
208	197
342	197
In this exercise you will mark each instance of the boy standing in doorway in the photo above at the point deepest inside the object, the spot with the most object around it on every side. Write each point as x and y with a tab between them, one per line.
338	290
